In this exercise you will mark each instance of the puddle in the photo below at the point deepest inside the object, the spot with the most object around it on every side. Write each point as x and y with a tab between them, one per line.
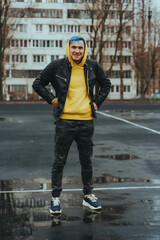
99	144
6	120
69	182
121	111
120	157
9	120
132	115
103	149
113	179
126	114
23	215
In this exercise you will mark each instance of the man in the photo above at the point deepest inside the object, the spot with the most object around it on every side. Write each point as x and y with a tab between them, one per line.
73	79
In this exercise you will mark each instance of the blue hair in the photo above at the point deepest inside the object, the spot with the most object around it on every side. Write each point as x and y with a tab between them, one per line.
76	39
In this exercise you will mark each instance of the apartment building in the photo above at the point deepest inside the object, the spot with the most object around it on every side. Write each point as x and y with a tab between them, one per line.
41	36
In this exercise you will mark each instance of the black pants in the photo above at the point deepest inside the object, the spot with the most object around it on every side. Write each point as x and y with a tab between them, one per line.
66	131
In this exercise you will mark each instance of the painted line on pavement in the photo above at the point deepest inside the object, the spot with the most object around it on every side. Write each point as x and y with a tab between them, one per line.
79	189
126	121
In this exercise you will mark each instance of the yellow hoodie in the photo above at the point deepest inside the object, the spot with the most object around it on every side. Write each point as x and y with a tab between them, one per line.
77	105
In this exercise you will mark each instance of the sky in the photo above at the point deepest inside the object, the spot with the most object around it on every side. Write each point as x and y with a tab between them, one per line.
156	3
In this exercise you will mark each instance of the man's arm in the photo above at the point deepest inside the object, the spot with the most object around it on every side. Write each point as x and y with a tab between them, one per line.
105	86
43	80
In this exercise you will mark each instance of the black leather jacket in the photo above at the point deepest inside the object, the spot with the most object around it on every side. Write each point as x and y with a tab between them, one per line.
58	73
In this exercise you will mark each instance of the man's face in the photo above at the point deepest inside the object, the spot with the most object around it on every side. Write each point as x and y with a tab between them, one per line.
77	51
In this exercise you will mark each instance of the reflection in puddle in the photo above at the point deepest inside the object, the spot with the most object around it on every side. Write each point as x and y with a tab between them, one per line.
132	115
45	184
9	120
112	179
23	215
56	219
118	156
6	120
103	149
122	110
90	216
127	114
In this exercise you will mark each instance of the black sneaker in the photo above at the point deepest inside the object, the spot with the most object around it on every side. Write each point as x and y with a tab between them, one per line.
55	205
91	202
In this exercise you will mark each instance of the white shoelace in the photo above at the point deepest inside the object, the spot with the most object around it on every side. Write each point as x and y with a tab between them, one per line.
92	197
56	201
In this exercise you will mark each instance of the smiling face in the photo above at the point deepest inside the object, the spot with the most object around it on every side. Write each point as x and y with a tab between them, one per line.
77	51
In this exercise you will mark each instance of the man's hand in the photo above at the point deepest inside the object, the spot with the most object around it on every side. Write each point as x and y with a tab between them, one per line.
95	106
55	103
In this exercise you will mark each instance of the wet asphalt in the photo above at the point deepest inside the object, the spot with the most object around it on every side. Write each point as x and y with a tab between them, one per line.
126	166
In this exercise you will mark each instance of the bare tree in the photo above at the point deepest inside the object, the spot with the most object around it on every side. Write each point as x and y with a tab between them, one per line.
9	20
146	43
4	31
101	14
97	11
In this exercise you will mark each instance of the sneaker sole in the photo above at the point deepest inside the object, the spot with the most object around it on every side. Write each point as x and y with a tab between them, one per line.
84	203
54	211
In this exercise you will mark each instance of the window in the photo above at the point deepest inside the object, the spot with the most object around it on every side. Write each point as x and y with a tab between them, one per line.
117	88
128	29
18	43
38	27
85	14
52	28
125	59
47	43
24	73
127	74
126	88
7	58
116	74
54	57
106	59
73	1
55	28
89	28
54	1
38	58
73	13
7	73
19	27
112	88
19	88
128	15
37	13
60	43
19	58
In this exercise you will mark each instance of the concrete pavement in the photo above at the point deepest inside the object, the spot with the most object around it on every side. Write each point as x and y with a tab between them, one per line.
126	175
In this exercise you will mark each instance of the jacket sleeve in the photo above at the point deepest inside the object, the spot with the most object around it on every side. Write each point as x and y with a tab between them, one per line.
104	84
43	80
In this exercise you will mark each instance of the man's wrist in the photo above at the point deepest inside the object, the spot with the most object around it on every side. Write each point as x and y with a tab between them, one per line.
53	100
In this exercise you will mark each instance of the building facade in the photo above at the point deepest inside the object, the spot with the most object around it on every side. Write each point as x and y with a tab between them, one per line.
41	36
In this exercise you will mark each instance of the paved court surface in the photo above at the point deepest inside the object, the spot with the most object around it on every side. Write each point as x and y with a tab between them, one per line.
126	163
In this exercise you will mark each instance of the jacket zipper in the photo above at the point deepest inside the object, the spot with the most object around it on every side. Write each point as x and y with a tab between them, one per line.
61	78
67	91
86	80
87	84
